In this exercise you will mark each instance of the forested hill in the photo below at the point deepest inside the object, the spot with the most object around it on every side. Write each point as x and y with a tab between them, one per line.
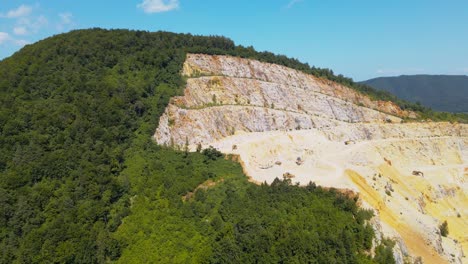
82	182
447	93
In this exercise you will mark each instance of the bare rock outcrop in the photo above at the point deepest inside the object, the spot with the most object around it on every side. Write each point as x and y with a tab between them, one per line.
273	115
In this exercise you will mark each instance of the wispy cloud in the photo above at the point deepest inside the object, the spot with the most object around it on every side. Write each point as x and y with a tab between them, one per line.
25	22
400	71
28	25
6	38
21	25
66	20
21	11
20	30
158	6
388	71
21	42
292	3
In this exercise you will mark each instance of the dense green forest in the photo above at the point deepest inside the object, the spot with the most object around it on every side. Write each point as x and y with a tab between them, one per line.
439	92
81	181
229	220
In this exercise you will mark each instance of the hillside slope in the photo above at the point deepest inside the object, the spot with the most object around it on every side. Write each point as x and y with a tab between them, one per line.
440	92
82	182
284	123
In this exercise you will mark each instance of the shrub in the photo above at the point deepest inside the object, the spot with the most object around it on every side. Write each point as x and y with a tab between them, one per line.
444	229
212	153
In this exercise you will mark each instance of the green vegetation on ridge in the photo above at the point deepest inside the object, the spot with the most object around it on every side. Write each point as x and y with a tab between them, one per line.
232	220
81	181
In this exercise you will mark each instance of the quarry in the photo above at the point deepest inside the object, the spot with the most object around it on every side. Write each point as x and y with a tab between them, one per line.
283	123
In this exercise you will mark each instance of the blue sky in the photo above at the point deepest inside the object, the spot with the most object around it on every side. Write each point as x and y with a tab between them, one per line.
359	39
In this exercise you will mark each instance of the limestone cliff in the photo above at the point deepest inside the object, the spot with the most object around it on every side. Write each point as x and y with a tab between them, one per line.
283	122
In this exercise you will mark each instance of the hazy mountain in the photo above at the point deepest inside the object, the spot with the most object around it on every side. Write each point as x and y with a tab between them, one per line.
440	92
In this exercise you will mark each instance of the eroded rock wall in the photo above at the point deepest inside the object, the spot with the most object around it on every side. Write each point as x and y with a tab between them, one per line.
226	94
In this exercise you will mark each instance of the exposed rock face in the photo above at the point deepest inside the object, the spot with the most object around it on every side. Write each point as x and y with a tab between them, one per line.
251	96
276	116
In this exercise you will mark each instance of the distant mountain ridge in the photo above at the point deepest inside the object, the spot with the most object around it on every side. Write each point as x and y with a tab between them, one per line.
447	93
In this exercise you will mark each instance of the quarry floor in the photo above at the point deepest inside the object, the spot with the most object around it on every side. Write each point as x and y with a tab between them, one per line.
409	206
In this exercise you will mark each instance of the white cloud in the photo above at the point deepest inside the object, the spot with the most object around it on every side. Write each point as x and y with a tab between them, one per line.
20	30
388	72
41	21
158	6
4	37
32	26
21	42
66	18
292	3
21	11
